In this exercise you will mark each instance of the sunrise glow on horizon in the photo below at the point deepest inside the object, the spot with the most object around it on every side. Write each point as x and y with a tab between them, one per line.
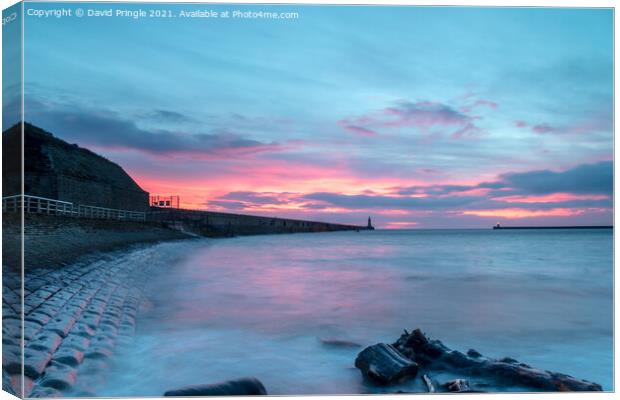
458	119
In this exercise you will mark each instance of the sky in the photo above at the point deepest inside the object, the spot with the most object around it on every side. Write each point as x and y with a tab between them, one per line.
420	117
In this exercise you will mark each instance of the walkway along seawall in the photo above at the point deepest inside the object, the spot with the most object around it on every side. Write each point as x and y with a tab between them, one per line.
216	224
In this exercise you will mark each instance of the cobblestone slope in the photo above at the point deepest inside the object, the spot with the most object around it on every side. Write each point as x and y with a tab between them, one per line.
74	319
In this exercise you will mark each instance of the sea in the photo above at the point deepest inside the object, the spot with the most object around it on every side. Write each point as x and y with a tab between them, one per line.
270	306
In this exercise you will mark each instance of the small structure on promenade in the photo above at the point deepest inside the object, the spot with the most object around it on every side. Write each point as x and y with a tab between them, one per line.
165	201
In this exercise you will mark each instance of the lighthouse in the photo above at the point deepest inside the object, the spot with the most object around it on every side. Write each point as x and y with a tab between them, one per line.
369	226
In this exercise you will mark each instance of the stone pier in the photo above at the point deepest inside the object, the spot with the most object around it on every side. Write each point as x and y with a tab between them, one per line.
217	224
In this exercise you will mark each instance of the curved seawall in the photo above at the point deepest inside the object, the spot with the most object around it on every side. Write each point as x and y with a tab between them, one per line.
53	241
217	224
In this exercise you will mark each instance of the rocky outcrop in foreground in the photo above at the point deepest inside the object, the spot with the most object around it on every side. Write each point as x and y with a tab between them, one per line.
384	364
239	387
387	364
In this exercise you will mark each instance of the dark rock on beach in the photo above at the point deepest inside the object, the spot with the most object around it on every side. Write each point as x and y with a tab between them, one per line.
457	386
434	355
383	364
239	387
473	353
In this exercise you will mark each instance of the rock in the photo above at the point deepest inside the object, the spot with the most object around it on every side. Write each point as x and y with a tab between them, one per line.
11	328
434	354
43	294
82	329
59	376
339	343
68	356
47	310
11	359
73	311
473	353
19	382
457	385
107	329
91	319
51	288
7	386
102	341
35	362
56	302
509	360
38	317
10	297
61	325
76	342
383	364
31	329
126	329
78	302
45	393
34	284
98	352
45	341
239	387
430	385
96	307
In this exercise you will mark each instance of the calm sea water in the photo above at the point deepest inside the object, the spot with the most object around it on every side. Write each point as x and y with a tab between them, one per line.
261	306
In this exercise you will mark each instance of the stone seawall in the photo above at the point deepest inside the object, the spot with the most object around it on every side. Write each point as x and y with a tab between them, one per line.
215	224
52	241
76	317
80	297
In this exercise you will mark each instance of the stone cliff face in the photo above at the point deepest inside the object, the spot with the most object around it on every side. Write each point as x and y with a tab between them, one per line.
56	169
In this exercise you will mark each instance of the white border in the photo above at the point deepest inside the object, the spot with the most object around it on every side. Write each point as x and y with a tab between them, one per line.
486	3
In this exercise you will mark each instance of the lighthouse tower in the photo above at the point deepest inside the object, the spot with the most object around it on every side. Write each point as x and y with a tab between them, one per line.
369	226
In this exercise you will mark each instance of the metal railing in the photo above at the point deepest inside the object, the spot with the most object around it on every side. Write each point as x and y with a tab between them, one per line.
43	205
37	205
110	213
11	203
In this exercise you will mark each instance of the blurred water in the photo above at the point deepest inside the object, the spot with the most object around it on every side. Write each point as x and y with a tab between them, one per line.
259	306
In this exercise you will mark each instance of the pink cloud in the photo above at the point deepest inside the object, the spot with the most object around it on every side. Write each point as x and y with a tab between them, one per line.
401	224
544	128
424	114
597	122
468	130
491	104
427	116
549	198
518	213
357	129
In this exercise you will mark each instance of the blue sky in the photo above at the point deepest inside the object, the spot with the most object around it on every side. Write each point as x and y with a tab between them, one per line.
300	117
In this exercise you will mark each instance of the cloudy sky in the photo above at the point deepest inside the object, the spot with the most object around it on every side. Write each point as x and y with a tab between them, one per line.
419	117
